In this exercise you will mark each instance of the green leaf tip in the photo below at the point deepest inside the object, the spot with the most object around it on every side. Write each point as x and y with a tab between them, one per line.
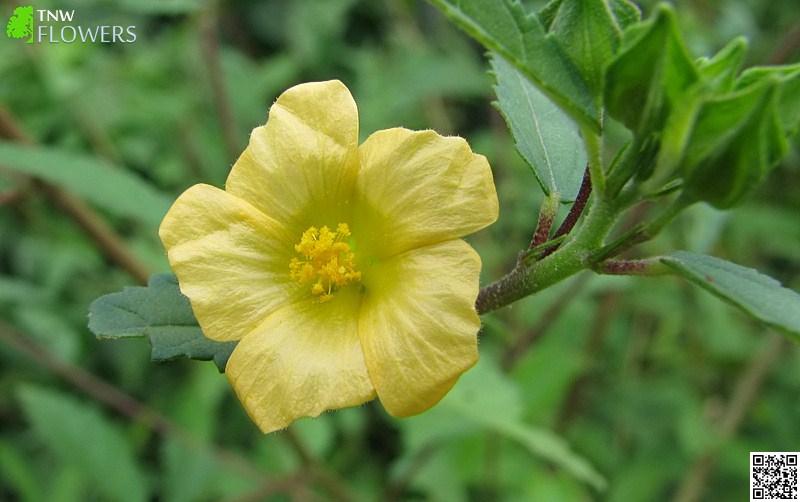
163	315
759	295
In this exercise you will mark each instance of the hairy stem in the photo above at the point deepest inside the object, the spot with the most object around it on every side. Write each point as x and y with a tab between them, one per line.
571	258
575	211
594	151
547	214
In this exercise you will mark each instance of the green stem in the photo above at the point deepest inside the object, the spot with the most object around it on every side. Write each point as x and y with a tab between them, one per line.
622	171
571	258
594	152
642	233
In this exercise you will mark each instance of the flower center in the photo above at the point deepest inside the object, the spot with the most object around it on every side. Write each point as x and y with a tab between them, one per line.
327	259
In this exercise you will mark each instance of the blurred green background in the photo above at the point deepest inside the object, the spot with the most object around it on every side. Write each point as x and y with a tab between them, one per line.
601	388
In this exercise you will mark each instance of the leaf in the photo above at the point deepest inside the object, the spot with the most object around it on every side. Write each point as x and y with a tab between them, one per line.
113	189
161	313
788	93
590	35
735	140
548	13
717	75
626	13
649	75
87	441
545	136
760	296
503	26
719	72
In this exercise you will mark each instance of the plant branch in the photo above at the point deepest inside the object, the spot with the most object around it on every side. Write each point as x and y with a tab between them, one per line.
572	257
594	152
577	207
641	232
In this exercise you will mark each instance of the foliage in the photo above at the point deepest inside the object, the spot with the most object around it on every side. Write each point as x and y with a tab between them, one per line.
618	388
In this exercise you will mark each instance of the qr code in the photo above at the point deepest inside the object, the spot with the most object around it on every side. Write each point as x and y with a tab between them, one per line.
773	476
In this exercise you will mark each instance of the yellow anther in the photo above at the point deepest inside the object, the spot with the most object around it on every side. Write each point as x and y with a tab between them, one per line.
326	259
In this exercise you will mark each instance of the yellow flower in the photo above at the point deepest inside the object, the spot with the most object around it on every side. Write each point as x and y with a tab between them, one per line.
338	267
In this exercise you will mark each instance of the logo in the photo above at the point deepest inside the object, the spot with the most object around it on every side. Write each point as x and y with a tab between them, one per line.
60	26
21	24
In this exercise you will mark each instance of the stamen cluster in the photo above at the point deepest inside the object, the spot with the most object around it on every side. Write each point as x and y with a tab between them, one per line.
327	258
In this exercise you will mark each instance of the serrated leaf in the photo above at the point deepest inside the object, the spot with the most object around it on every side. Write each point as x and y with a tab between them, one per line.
649	75
504	26
110	188
760	296
548	13
545	136
162	314
590	35
87	441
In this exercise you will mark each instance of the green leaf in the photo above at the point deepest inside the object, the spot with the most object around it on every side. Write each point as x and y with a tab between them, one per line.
545	136
110	188
590	35
718	73
505	27
548	14
87	441
758	295
735	140
788	92
626	13
161	313
649	75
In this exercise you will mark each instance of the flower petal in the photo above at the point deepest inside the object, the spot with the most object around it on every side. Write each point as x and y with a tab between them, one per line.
424	188
232	261
303	162
418	324
303	360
